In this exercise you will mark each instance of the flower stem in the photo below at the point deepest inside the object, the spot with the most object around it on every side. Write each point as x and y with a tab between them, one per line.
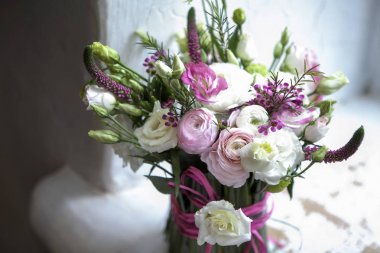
304	170
132	71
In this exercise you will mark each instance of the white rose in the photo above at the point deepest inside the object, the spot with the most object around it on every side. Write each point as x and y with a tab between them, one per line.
239	83
220	223
318	130
99	96
246	49
154	135
250	117
270	156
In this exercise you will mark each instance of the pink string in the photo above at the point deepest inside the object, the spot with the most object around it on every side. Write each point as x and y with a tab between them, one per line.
185	221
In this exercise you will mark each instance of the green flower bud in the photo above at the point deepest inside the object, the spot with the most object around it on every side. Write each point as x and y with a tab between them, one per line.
135	86
326	108
100	111
288	50
104	136
204	56
163	70
142	35
105	53
280	186
201	28
331	84
278	49
116	69
117	79
178	67
146	105
319	155
130	109
175	84
256	68
285	37
231	58
239	16
182	42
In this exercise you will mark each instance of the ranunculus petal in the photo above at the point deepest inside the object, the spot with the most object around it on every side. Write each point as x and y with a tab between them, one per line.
197	131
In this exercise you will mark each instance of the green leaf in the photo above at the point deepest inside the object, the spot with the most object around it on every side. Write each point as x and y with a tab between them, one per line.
151	157
176	165
326	107
290	189
161	184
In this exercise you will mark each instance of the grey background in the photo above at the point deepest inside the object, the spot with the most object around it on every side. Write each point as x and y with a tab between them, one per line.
41	72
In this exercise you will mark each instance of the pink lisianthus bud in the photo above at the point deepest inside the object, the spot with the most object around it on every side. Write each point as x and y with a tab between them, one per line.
223	158
296	58
318	130
197	131
203	82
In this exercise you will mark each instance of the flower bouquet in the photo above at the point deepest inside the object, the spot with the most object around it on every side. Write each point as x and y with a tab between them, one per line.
232	130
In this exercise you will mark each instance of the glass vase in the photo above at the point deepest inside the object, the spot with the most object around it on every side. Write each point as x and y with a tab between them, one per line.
251	192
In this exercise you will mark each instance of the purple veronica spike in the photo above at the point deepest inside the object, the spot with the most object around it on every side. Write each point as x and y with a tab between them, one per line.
347	150
120	91
192	38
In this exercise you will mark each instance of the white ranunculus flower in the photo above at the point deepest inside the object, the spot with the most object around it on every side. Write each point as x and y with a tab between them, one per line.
154	135
318	130
270	156
239	84
99	96
246	49
220	223
250	117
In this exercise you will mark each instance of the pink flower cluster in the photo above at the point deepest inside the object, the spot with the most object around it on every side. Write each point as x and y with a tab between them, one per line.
203	82
198	133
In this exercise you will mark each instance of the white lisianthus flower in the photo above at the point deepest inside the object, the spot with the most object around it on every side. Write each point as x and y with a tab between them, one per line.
246	49
239	84
297	57
99	96
270	156
318	130
331	84
220	223
128	151
250	117
154	135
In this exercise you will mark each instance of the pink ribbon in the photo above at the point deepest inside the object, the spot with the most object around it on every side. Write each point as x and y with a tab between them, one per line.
185	221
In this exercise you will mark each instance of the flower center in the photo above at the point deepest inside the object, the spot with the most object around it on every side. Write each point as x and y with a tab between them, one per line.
262	151
266	147
255	121
222	220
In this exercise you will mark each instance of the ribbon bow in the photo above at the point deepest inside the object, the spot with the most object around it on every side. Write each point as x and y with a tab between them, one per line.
186	223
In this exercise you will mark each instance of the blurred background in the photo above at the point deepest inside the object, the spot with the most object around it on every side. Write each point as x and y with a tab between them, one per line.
44	124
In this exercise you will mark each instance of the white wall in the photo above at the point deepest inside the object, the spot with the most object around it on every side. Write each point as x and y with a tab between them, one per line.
339	31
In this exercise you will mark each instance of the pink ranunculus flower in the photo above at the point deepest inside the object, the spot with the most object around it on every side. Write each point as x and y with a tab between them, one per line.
297	120
203	82
223	158
197	131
